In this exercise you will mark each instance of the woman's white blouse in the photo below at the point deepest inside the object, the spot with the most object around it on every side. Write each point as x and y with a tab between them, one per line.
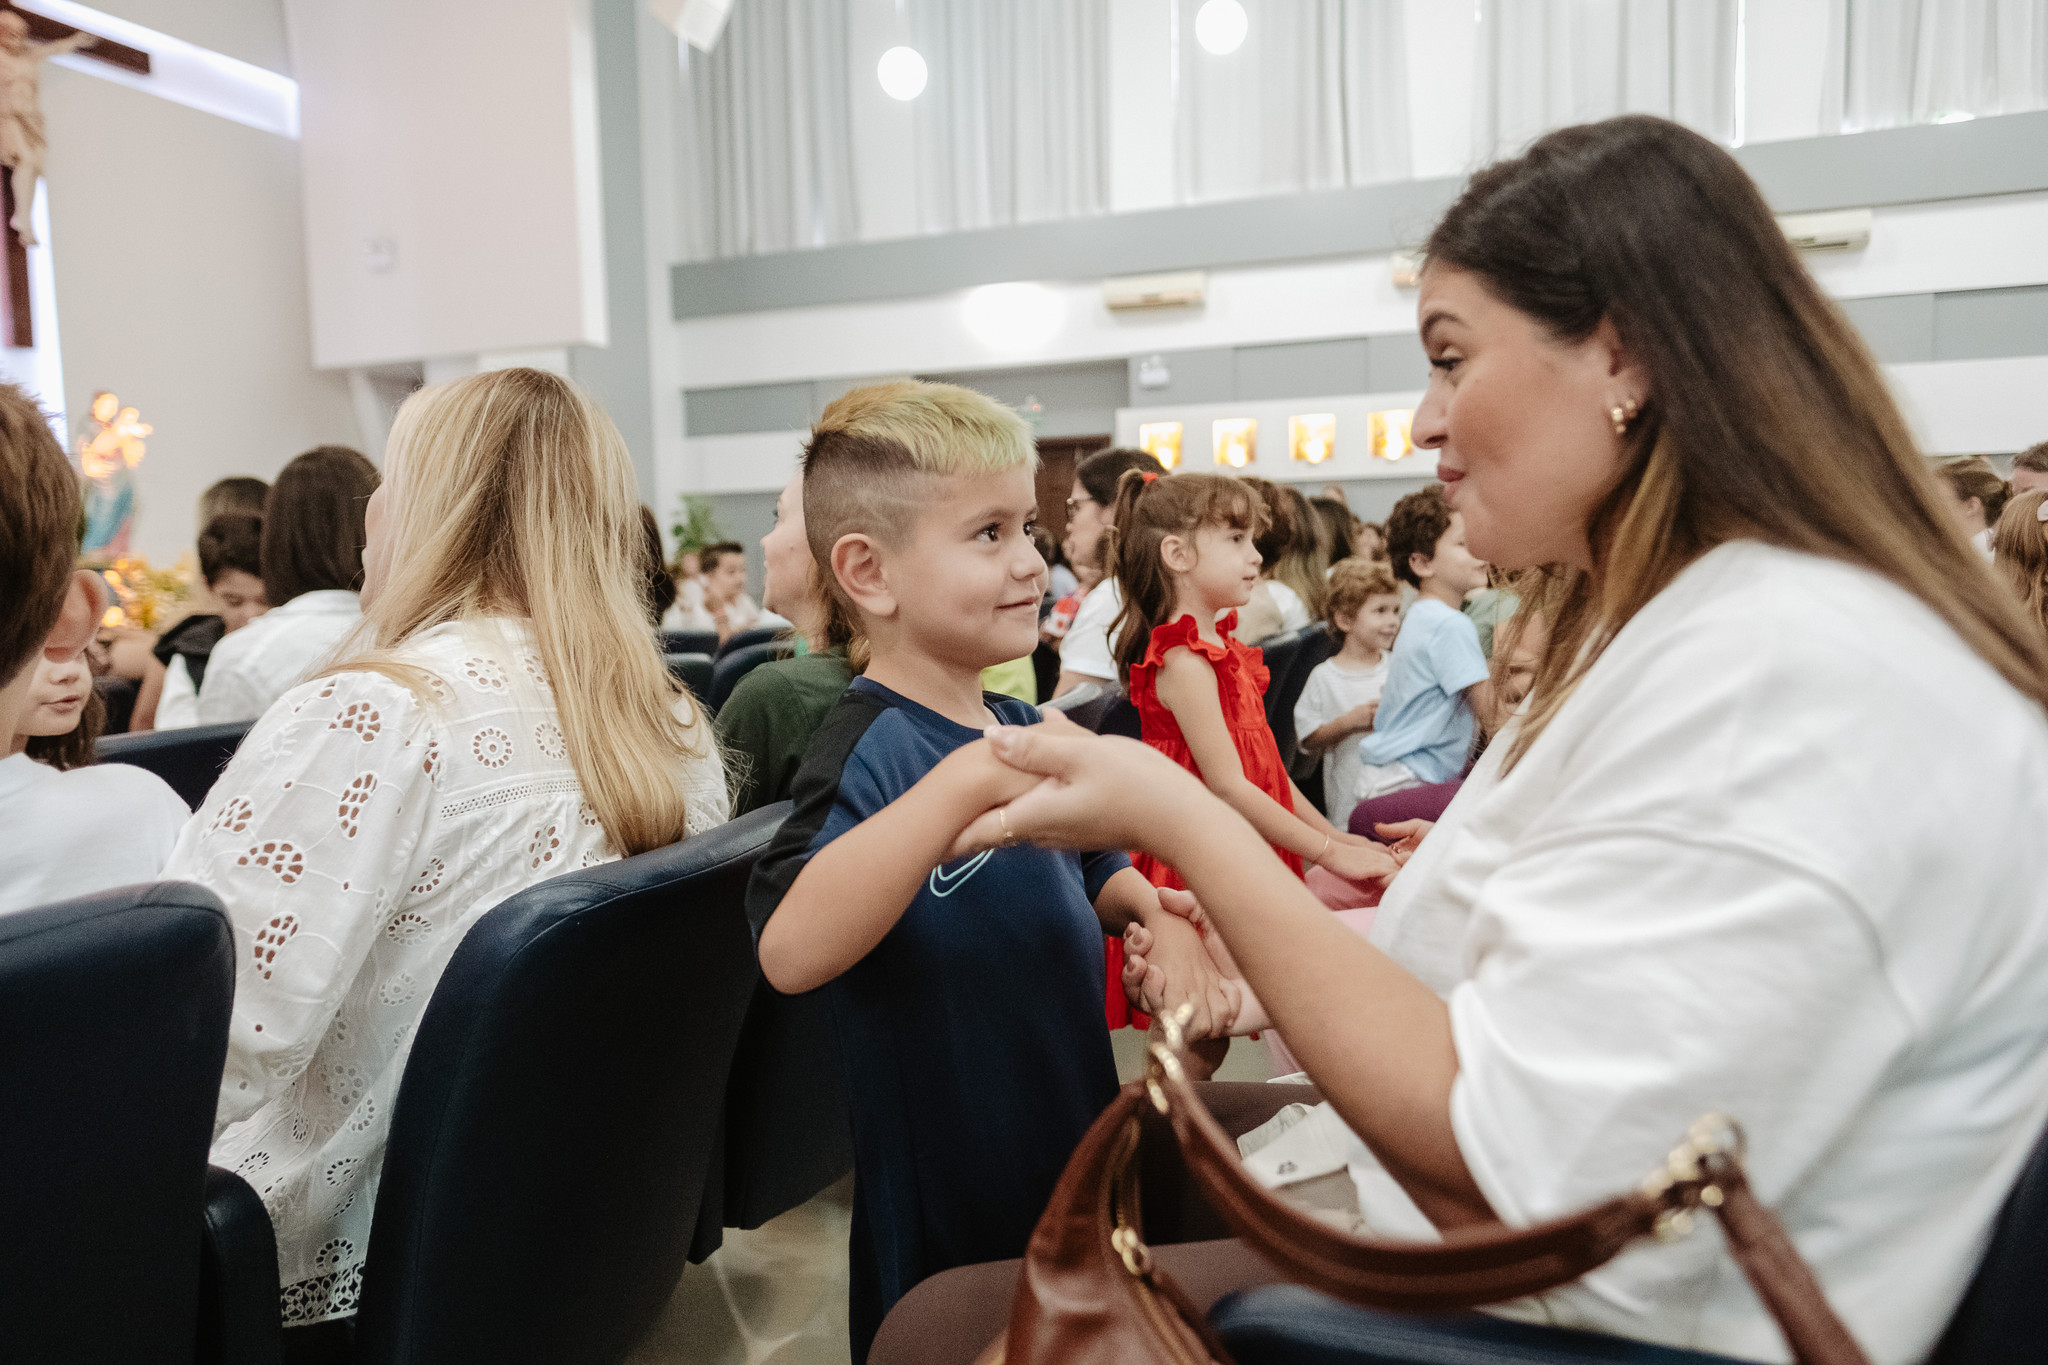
1780	856
355	837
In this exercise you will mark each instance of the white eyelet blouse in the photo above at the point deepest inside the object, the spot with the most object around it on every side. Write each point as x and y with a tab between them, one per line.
355	837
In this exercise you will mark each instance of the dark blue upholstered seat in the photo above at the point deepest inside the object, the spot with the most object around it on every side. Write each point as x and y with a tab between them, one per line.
189	759
561	1111
113	1031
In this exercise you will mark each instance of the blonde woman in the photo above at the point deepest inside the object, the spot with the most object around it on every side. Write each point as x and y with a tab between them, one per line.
500	716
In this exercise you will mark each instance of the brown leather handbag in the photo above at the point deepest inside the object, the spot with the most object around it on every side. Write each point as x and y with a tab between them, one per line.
1089	1293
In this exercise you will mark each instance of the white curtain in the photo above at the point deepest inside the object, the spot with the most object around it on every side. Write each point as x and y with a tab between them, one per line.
763	133
1544	64
1895	62
1013	126
1315	98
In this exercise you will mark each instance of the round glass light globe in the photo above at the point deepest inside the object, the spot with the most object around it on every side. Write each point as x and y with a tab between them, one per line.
1220	26
902	73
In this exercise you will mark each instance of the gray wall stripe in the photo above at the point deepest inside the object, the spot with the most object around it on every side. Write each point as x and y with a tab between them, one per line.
1081	399
2002	155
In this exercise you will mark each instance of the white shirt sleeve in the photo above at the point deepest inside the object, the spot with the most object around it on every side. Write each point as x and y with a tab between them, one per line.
1319	704
179	705
229	693
1086	649
307	838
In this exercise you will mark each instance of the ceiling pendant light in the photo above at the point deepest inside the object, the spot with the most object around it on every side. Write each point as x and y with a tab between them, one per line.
1220	26
902	73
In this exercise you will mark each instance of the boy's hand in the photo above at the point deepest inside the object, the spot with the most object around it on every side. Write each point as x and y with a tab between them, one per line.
1360	718
1176	968
1145	983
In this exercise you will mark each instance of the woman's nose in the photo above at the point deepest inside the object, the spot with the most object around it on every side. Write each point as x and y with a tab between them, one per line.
1431	425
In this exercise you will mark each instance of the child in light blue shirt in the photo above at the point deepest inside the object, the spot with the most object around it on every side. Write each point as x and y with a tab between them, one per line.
1437	680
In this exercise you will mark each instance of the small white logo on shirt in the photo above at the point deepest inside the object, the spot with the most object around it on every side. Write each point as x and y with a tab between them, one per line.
944	883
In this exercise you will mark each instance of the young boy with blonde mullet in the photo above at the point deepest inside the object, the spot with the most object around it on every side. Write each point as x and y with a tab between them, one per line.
966	994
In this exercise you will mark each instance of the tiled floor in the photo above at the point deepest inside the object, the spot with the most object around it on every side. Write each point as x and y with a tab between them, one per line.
777	1295
772	1296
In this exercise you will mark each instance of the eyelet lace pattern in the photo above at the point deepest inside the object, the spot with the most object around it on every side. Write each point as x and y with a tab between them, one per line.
357	834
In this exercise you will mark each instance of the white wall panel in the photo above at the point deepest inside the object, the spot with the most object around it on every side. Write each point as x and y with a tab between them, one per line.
181	284
1974	407
460	139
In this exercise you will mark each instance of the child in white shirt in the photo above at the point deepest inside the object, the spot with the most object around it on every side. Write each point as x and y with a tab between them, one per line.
1343	693
74	828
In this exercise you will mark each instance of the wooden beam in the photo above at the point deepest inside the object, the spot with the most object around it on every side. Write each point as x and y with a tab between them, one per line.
17	322
44	29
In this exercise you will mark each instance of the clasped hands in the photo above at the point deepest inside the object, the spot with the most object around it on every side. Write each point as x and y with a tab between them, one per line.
1056	785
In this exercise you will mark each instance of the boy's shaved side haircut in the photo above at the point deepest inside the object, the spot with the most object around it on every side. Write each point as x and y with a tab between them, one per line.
874	450
41	519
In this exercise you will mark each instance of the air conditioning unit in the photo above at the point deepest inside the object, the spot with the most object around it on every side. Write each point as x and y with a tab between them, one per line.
1839	230
1135	293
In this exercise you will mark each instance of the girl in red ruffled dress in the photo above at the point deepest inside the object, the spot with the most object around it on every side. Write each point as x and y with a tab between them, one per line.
1181	548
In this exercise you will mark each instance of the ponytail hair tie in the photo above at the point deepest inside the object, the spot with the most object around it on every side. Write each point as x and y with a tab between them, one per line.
1149	477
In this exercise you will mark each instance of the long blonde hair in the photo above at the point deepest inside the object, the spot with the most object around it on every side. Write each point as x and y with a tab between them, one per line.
515	497
1766	418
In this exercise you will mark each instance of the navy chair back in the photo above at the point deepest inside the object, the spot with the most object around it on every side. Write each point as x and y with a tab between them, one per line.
189	759
737	663
689	641
694	672
1087	704
113	1031
1290	658
787	1133
1120	717
741	639
2003	1319
560	1114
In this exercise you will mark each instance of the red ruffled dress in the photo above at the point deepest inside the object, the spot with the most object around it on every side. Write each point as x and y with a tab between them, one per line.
1241	679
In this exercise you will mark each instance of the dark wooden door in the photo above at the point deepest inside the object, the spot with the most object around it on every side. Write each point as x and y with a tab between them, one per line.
1057	456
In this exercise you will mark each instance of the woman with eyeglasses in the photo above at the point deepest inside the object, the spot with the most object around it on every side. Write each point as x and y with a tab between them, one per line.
1084	653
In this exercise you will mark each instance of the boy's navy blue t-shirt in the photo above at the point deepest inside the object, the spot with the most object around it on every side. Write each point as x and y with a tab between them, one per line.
971	1040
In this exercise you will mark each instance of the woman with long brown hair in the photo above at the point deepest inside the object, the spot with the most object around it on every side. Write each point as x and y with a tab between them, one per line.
500	715
1723	860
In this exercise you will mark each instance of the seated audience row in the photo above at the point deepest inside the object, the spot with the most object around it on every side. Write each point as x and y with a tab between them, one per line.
312	561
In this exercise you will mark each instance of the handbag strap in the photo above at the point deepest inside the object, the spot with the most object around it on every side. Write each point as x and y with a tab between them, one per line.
1493	1264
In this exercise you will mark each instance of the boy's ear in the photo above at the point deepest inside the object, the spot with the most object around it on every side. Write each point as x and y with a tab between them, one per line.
857	564
1177	553
85	601
1421	565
